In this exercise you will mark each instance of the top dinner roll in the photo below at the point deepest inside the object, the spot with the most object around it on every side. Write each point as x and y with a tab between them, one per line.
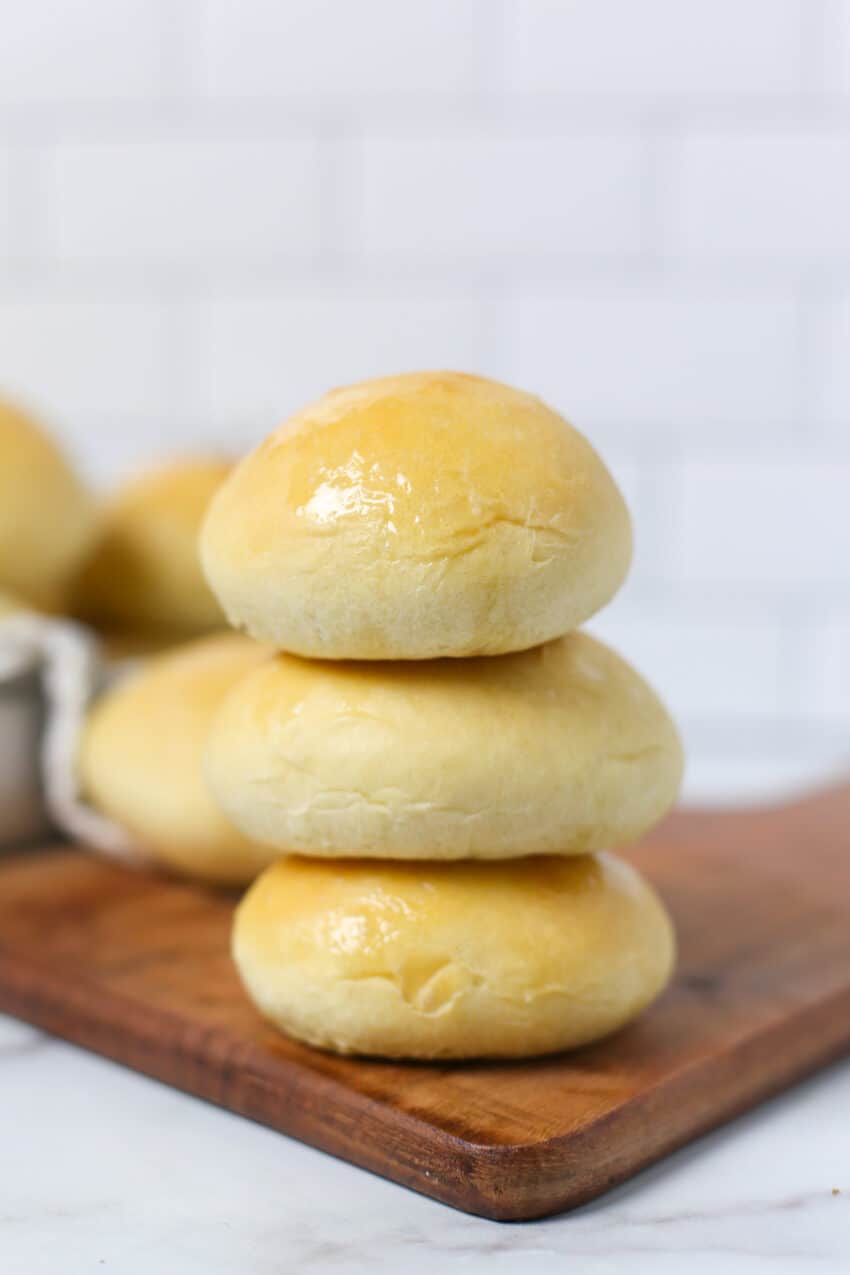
424	515
144	572
46	515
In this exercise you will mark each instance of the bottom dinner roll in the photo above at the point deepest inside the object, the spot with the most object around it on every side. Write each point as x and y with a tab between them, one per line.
139	759
458	960
562	749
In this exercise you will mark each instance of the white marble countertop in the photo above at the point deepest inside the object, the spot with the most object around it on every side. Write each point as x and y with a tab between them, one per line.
102	1170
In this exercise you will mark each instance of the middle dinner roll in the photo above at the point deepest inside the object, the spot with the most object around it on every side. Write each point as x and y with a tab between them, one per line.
558	750
418	516
140	759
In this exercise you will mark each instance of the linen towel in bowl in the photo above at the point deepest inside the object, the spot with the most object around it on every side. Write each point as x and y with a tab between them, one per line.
49	671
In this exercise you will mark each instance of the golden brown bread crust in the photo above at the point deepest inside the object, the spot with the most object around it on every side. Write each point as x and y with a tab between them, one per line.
557	750
144	573
140	758
9	604
47	518
452	960
432	514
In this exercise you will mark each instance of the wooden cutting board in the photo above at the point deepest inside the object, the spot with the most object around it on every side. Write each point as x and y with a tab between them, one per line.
136	968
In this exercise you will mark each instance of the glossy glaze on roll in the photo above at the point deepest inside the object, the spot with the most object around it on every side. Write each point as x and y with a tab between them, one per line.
426	515
452	960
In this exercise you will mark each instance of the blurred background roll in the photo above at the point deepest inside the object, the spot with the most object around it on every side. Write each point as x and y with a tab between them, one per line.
143	574
9	604
139	759
47	518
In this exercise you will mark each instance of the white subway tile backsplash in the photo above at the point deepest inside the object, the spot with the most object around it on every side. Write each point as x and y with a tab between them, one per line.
702	667
6	246
95	366
779	196
829	671
626	472
264	48
782	523
745	778
90	51
260	358
829	391
473	197
656	48
690	363
211	212
183	201
837	42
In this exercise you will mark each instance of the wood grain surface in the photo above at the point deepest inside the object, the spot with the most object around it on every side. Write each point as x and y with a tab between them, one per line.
136	967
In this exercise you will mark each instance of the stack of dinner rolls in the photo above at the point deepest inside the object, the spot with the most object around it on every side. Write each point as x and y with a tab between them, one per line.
440	754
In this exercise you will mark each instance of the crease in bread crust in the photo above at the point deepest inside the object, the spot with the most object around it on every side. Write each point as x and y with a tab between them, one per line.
414	517
435	961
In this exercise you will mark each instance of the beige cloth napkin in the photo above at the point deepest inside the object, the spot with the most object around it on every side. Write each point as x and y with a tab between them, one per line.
50	670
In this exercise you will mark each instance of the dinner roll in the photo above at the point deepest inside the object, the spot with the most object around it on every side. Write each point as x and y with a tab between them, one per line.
432	514
140	759
9	604
557	750
144	571
452	960
46	516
